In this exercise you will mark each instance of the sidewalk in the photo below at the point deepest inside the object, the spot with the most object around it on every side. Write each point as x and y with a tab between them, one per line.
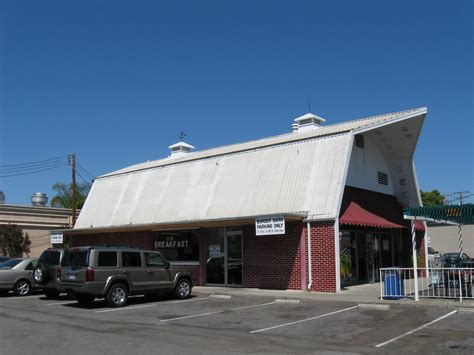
367	293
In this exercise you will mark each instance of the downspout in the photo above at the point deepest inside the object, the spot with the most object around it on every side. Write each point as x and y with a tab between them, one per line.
338	255
310	269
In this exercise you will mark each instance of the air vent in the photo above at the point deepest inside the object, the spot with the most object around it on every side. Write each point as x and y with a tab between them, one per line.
402	182
359	141
382	178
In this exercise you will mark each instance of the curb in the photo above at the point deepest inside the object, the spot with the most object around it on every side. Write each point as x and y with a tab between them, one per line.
281	300
376	306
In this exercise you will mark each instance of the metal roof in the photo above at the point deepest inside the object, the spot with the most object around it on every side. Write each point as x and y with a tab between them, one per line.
297	173
360	124
459	214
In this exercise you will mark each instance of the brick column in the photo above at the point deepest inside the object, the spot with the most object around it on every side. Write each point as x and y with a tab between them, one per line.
323	261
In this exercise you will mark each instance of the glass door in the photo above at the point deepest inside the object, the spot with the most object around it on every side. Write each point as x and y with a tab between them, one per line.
223	257
234	258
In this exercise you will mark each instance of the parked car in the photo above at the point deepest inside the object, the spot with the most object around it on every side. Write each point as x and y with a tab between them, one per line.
4	258
114	273
17	275
45	273
456	260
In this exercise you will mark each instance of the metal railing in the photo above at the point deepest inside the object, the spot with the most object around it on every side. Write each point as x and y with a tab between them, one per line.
397	283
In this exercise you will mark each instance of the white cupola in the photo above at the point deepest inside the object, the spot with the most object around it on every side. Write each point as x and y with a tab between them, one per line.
307	122
180	149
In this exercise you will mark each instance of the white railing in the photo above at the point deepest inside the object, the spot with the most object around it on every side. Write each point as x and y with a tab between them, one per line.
397	283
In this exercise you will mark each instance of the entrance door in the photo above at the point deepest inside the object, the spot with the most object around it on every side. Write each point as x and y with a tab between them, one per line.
234	258
224	257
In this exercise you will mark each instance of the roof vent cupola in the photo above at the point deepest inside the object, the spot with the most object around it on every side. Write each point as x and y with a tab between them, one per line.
308	122
180	149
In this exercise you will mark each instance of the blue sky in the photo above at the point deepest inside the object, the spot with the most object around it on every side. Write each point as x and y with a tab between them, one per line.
116	81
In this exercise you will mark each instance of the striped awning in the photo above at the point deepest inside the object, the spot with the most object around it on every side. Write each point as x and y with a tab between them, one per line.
460	214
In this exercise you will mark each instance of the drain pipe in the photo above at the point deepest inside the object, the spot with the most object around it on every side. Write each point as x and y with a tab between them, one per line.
310	269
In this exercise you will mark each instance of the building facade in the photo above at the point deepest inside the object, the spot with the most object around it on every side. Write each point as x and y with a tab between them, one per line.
273	213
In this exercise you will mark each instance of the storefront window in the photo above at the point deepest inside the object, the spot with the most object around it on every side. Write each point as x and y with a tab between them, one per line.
177	245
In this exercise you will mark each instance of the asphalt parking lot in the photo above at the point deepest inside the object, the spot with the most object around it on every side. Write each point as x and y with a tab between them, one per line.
229	324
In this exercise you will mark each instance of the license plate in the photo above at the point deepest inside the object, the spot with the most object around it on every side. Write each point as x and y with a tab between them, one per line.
72	276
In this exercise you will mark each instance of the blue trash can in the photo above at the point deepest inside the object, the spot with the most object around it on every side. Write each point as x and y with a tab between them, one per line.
393	285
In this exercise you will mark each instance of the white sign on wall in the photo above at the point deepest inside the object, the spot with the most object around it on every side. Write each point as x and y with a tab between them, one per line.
214	250
56	237
270	225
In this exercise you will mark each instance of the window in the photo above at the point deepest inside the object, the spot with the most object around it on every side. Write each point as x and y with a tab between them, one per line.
107	258
382	178
359	141
177	245
31	265
75	258
50	257
153	259
131	259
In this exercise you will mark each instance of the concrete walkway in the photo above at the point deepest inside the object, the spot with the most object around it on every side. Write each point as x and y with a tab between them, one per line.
368	293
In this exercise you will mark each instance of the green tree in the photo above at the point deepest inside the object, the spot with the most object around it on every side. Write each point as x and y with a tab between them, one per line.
63	197
432	198
12	241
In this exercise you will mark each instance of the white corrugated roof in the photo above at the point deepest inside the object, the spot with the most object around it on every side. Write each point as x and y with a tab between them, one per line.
296	173
281	139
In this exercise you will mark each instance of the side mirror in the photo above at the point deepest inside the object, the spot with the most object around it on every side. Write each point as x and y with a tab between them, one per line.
167	264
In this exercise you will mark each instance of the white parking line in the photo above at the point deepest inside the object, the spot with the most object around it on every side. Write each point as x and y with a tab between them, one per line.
216	312
150	305
303	320
415	330
59	303
21	297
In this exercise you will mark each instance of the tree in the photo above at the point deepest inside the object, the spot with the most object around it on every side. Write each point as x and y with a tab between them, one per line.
432	198
12	241
63	197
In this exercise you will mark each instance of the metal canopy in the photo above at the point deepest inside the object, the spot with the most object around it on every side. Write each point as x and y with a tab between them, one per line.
457	214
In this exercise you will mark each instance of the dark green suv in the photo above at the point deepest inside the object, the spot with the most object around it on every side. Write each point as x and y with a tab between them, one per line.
114	273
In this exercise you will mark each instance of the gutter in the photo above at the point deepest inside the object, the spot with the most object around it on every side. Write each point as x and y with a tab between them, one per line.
310	270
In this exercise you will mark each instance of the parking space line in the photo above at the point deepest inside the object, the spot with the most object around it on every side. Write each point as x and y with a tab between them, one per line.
415	330
217	312
303	320
150	305
21	297
59	303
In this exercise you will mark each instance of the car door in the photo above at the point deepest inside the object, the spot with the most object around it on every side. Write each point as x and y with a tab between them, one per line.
158	275
132	268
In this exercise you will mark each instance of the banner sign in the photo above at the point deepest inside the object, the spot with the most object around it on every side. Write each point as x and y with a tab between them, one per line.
56	237
270	225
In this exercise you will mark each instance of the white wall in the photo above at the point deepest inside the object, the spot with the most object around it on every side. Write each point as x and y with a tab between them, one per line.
445	239
364	165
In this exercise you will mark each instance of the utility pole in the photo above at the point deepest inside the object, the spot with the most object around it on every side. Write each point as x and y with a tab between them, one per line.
73	165
461	195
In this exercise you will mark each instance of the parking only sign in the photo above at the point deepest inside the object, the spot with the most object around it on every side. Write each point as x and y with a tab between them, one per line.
56	237
270	225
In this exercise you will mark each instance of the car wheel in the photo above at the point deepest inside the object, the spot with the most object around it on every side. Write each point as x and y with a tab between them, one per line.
183	289
22	288
51	293
41	274
117	295
85	300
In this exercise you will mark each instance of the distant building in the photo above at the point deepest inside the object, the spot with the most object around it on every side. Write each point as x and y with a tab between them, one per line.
271	213
37	221
444	238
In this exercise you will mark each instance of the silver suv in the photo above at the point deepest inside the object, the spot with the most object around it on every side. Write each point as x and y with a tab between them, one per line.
114	273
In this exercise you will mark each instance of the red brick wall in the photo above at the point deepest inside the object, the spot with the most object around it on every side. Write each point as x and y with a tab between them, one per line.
323	257
272	262
140	240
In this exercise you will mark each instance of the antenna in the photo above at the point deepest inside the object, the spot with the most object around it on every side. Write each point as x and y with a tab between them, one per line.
181	136
309	105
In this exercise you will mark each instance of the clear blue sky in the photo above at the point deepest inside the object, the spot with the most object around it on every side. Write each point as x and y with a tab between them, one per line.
115	81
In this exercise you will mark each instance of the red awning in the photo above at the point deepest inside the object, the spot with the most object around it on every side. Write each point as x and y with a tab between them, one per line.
357	215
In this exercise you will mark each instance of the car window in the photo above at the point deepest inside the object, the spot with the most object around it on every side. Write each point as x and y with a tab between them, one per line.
50	257
153	260
131	259
10	263
107	258
75	258
30	266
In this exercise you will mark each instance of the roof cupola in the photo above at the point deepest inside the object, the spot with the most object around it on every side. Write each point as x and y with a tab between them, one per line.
308	122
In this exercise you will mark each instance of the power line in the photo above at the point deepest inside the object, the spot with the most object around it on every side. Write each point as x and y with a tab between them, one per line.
28	168
32	163
85	171
33	172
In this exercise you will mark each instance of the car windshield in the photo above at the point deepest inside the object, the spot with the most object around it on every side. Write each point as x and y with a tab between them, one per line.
75	258
10	263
